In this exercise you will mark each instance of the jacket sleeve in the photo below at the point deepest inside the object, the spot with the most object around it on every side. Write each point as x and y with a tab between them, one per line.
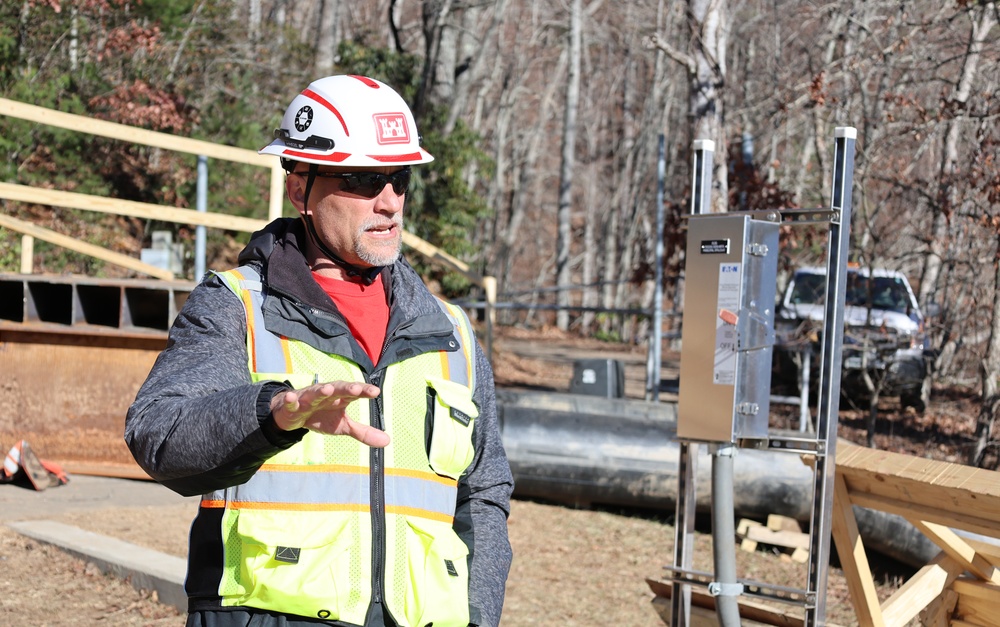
194	424
484	504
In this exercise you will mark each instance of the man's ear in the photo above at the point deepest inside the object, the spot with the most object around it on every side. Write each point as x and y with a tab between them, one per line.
295	187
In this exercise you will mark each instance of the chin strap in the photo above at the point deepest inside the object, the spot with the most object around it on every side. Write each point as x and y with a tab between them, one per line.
367	275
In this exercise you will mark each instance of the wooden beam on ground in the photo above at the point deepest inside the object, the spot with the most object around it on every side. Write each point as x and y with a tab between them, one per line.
82	247
752	612
95	469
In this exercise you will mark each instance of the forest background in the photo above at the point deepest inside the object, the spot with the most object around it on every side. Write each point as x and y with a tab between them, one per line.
545	120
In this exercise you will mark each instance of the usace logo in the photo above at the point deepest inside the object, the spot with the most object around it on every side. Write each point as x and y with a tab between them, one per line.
391	128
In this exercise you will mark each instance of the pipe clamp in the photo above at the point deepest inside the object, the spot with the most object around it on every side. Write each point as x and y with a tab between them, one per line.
717	589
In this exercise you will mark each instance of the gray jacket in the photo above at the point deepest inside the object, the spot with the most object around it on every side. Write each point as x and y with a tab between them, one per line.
198	424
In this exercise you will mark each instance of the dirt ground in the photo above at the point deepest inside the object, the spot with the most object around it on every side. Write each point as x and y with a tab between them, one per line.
572	566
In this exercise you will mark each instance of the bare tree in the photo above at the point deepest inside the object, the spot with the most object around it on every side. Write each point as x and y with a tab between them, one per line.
705	65
564	215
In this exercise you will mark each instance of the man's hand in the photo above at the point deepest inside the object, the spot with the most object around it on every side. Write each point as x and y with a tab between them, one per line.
322	407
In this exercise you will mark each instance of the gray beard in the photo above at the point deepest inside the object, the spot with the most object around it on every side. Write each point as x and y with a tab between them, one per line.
378	256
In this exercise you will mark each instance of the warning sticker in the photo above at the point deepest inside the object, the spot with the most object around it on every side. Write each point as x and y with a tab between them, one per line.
724	370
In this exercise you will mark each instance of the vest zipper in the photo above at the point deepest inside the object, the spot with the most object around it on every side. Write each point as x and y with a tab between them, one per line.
377	499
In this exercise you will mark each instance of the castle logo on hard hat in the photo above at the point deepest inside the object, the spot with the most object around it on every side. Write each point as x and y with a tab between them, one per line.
303	118
391	128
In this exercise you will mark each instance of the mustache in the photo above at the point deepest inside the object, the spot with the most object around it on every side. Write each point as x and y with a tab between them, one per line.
381	222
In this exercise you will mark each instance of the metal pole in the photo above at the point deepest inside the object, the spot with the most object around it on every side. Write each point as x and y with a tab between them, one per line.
202	206
687	453
655	364
830	364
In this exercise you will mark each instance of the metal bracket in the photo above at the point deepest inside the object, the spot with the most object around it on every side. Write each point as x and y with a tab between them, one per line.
717	589
748	409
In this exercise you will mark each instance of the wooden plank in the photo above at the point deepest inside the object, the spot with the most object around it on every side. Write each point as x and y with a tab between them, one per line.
938	613
987	591
777	522
83	247
149	211
977	602
924	482
131	134
94	469
117	206
749	610
989	550
789	539
967	520
853	558
959	550
744	524
921	590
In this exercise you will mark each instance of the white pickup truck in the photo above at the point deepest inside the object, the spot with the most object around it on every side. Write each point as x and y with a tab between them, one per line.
883	333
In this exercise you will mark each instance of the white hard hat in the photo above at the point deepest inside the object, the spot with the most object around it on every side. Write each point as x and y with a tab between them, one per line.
349	121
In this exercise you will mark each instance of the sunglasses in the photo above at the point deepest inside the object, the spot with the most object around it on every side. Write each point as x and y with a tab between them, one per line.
370	184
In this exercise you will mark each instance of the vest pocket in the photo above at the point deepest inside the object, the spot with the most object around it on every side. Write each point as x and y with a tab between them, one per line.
452	416
439	573
294	563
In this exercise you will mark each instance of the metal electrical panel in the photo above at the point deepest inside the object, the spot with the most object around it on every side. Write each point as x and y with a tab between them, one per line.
728	328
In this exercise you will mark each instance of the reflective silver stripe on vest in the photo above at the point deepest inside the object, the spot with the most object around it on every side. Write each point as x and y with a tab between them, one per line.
268	353
280	489
420	494
303	486
458	362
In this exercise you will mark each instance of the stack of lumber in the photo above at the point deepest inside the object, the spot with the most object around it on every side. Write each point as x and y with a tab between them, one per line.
780	534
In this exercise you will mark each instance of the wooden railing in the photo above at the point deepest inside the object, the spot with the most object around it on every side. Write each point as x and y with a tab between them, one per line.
131	134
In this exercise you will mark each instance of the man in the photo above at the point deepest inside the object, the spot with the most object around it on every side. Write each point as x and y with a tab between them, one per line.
339	420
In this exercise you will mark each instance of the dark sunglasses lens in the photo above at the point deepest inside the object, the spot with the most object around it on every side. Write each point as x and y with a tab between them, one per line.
371	184
400	181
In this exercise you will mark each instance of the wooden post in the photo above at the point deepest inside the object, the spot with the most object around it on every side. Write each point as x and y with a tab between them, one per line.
27	253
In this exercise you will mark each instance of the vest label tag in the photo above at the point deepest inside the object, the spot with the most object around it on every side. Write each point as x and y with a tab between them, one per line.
450	565
287	554
461	416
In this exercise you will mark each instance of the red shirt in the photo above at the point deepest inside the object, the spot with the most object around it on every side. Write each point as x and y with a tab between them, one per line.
364	308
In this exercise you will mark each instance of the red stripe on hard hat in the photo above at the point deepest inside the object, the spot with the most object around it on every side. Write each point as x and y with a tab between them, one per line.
367	81
320	99
336	157
394	158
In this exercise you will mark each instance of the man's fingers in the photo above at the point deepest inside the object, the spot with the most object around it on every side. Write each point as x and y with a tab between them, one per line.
345	389
367	434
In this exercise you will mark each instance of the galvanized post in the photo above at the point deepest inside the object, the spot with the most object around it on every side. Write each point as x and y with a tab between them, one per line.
202	206
830	364
680	600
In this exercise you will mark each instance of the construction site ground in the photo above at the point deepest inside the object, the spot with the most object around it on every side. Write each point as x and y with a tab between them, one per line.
572	566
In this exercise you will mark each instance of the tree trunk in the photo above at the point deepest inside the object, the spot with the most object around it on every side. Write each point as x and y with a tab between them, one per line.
564	239
327	37
990	370
981	26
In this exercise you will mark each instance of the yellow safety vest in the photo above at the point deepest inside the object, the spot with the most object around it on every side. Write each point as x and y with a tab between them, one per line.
319	530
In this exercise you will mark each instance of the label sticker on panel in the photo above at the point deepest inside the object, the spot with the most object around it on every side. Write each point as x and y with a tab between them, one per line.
715	246
727	308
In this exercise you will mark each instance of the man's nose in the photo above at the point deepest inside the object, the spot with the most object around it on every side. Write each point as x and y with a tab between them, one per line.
388	201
